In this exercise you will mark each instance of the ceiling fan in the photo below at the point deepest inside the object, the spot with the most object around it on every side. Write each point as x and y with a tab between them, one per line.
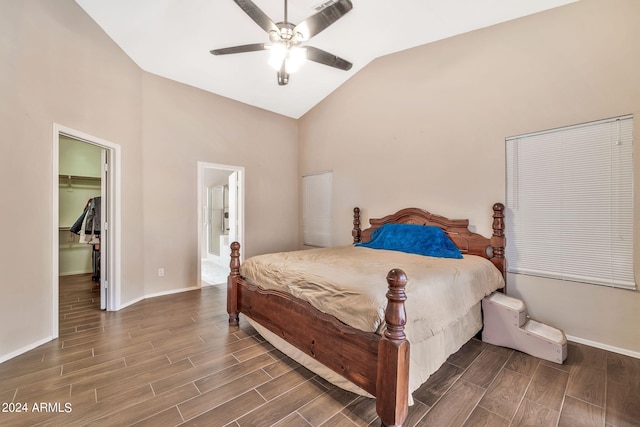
286	51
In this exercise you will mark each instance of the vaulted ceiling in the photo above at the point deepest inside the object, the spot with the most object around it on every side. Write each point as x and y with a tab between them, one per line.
172	39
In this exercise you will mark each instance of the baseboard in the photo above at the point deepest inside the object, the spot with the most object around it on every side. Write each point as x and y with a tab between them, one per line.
602	346
5	357
128	303
173	291
206	284
157	294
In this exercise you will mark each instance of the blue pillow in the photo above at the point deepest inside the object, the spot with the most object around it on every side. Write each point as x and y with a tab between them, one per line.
414	239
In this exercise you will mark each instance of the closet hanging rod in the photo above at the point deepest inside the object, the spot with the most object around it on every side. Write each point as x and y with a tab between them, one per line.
81	178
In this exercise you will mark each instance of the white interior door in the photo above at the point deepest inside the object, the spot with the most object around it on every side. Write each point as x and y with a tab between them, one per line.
233	207
104	226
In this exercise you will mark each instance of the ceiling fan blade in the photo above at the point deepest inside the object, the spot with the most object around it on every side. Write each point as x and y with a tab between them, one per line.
321	20
240	49
320	56
257	15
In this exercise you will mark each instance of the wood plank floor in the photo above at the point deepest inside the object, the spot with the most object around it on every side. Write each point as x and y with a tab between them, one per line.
173	360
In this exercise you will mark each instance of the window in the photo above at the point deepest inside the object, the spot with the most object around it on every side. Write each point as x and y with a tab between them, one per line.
570	203
316	209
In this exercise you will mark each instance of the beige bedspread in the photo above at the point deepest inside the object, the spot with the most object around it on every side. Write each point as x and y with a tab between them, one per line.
349	283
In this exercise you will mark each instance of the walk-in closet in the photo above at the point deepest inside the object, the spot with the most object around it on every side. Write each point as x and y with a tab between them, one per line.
79	203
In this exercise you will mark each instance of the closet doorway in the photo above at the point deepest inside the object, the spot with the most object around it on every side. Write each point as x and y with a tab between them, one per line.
85	218
220	219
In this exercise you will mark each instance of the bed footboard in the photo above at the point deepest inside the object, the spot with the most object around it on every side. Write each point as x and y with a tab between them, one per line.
377	364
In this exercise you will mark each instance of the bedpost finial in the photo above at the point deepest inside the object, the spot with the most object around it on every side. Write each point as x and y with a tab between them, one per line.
397	278
498	219
395	314
234	264
356	232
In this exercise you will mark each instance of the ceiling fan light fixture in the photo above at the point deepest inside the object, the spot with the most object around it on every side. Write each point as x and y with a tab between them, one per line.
277	55
295	58
274	36
292	57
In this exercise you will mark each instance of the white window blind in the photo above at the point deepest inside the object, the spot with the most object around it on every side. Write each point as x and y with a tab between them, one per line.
316	209
570	203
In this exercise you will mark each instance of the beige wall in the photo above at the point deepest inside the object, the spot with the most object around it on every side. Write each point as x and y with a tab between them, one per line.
426	127
184	125
58	66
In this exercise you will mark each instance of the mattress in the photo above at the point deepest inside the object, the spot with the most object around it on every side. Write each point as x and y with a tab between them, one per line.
349	283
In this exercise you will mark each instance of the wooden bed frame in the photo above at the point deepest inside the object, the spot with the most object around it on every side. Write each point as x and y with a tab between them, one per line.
377	364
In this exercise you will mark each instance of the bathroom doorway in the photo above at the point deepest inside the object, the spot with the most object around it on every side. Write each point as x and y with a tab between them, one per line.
220	219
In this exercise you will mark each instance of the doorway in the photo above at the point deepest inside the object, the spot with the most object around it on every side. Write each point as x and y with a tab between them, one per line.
80	194
220	219
86	184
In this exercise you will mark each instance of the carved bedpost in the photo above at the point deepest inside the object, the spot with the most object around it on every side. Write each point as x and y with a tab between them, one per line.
232	287
498	239
356	225
392	388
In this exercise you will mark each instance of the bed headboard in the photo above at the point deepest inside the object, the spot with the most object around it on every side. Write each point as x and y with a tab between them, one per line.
457	229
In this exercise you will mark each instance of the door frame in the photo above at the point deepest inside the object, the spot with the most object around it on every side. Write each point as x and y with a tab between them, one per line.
202	167
113	250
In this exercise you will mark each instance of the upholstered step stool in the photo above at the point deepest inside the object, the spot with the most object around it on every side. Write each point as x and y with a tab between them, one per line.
506	324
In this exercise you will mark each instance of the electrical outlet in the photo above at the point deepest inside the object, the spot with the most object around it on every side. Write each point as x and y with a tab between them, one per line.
161	272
